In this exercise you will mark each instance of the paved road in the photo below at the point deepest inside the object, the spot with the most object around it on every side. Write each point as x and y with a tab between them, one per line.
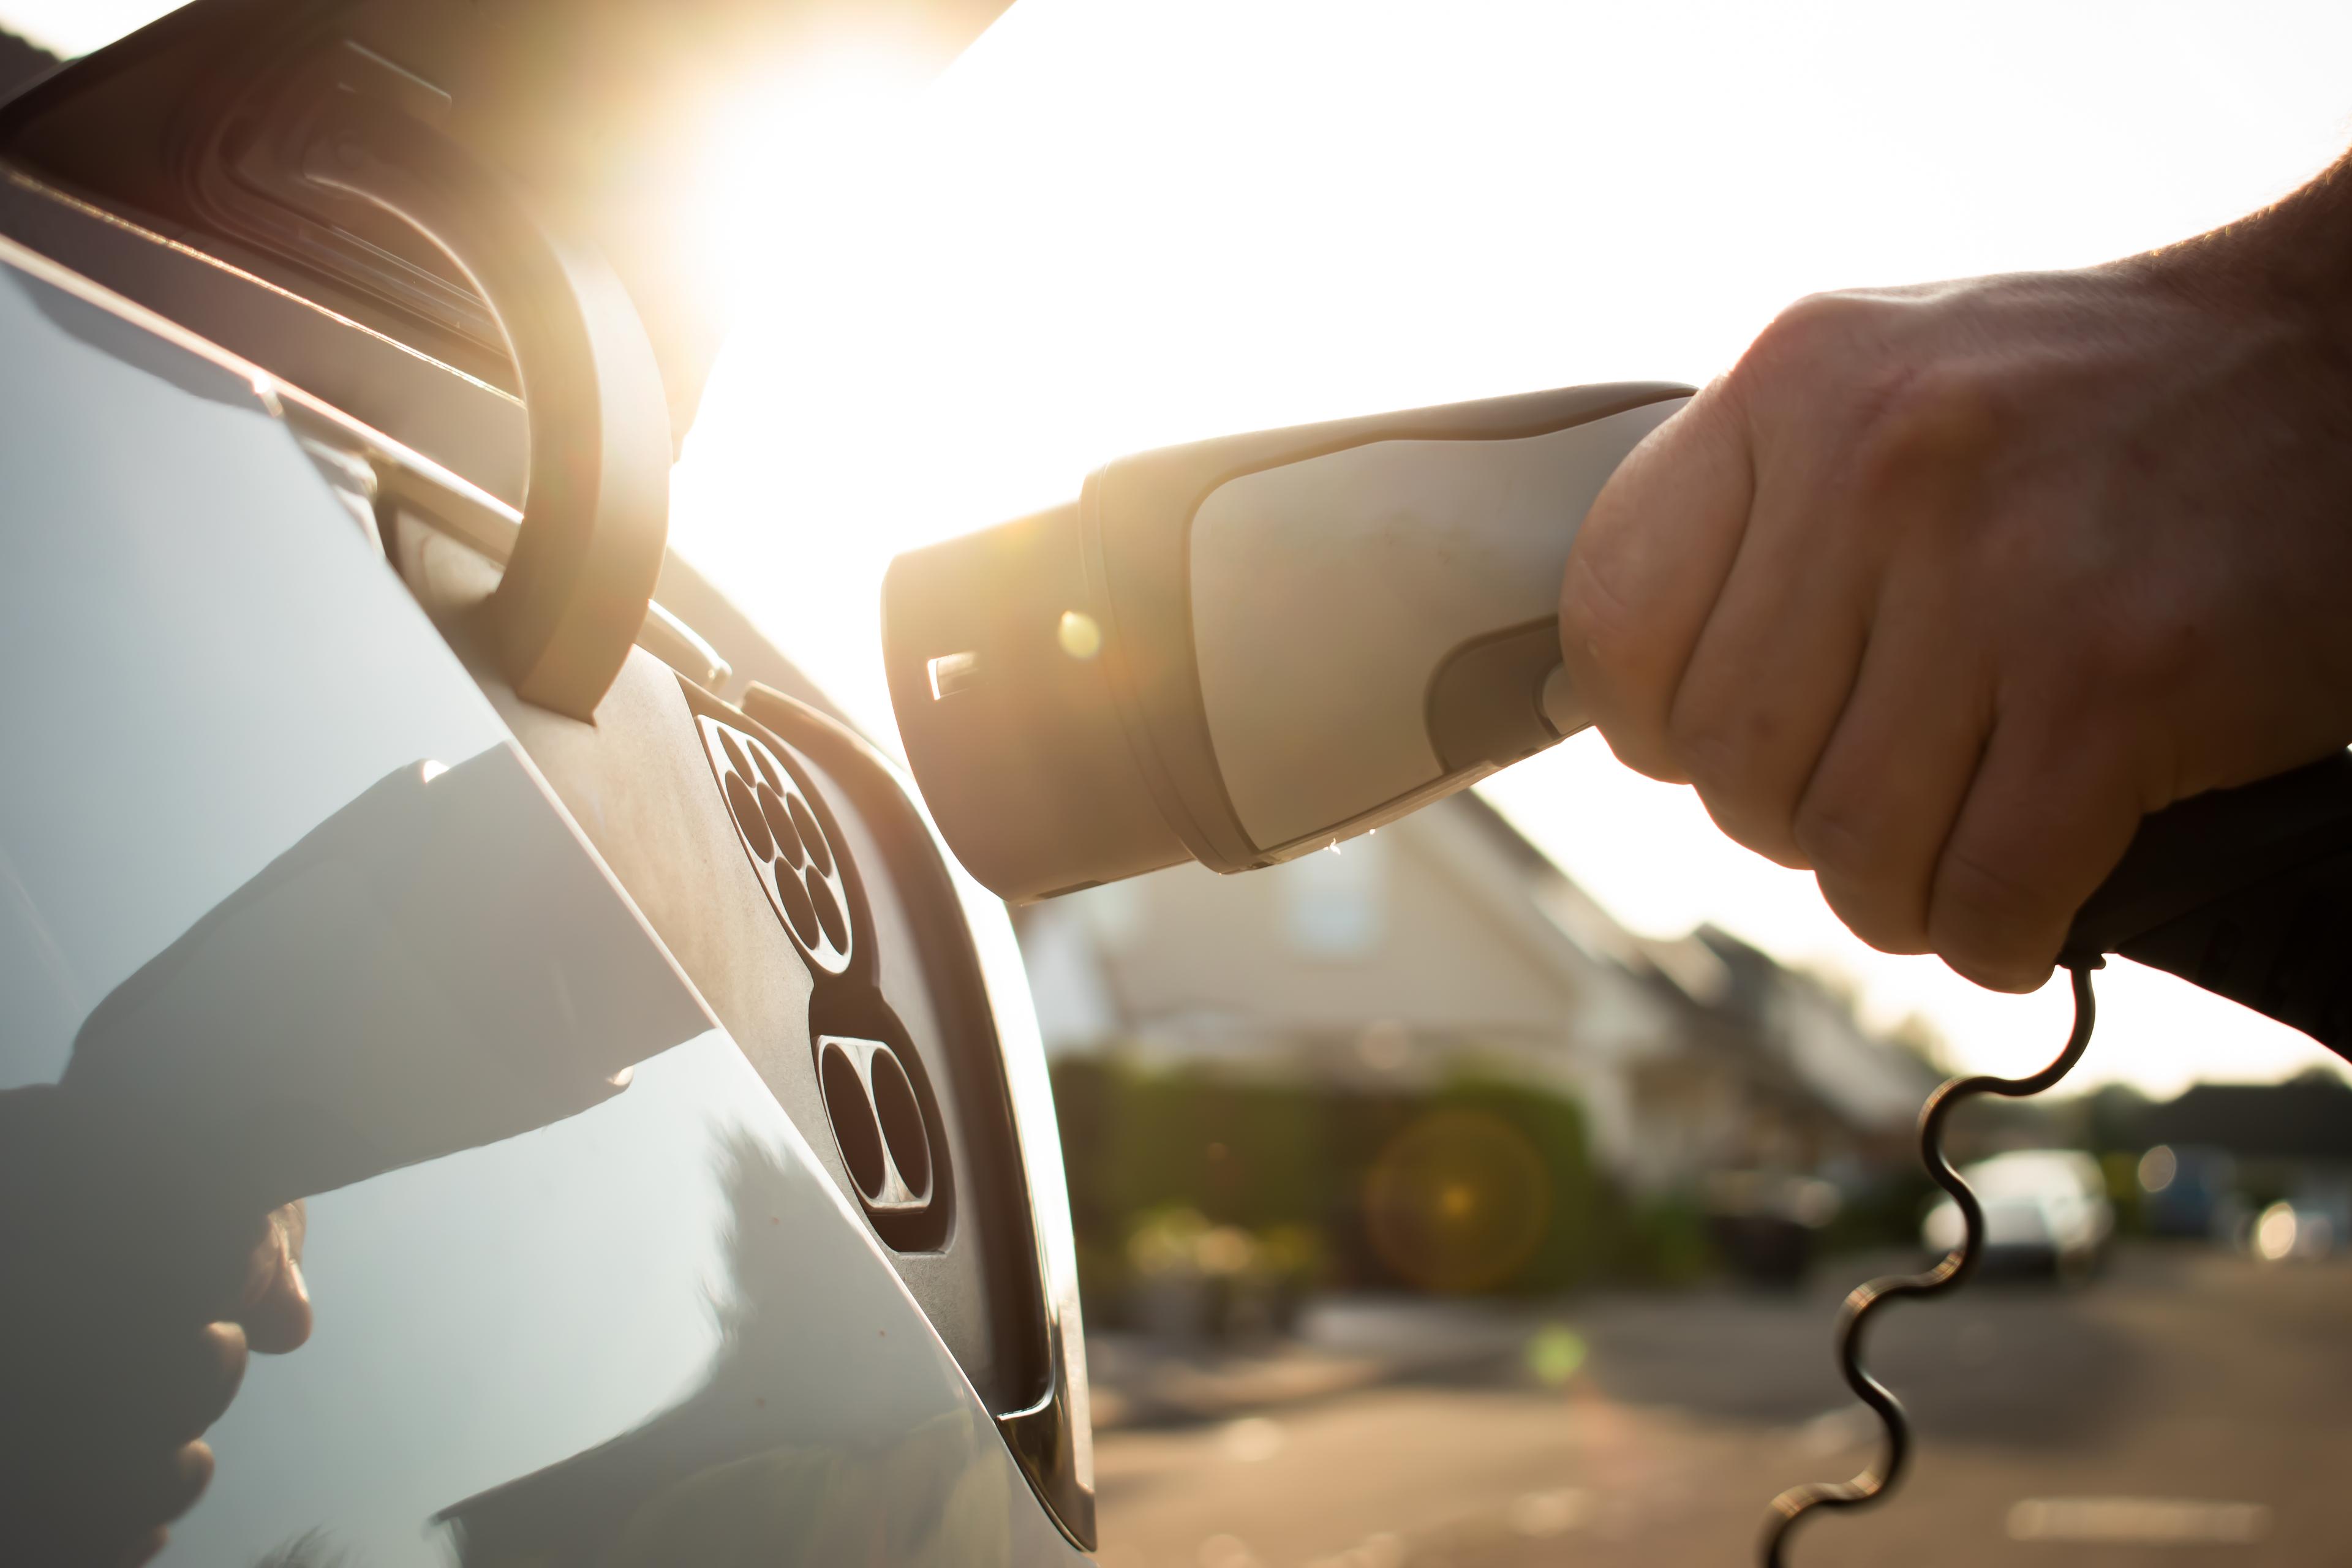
2189	1408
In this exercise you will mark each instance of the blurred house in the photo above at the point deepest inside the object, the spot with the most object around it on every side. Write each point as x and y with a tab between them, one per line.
2305	1122
2290	1141
1777	1071
1446	943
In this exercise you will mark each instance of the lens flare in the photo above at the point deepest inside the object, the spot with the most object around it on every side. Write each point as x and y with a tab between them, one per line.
1555	1354
1457	1201
1080	637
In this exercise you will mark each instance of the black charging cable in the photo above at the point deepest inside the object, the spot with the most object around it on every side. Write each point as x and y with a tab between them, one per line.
1873	1484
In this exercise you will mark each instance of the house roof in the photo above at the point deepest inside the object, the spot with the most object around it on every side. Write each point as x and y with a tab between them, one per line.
1564	926
1812	1030
2306	1117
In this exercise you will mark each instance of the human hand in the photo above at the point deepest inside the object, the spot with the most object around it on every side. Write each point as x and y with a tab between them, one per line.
1942	588
126	1317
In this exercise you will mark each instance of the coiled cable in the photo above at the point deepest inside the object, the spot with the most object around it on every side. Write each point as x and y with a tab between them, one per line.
1875	1483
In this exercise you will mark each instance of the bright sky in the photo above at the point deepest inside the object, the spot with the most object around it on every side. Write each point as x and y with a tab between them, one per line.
1121	223
1117	224
69	28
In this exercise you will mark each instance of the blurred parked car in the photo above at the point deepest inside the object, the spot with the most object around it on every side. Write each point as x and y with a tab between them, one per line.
2045	1211
2191	1191
1764	1224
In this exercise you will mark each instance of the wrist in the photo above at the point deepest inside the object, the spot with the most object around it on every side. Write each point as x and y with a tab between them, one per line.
2289	262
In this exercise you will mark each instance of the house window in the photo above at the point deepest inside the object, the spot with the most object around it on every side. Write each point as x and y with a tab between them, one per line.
1331	904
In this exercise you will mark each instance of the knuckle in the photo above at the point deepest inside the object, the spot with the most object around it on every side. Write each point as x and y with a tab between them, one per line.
1922	436
1818	327
1834	349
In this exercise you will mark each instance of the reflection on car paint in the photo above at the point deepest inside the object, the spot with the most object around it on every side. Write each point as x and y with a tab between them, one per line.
439	964
657	1304
200	660
653	1329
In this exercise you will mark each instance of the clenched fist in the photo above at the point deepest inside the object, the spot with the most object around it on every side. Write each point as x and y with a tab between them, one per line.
1942	588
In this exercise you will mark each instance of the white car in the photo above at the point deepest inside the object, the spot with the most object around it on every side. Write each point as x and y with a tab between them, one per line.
397	842
2043	1209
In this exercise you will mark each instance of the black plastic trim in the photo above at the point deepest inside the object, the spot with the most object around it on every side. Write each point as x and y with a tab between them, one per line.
1048	1433
596	511
2245	892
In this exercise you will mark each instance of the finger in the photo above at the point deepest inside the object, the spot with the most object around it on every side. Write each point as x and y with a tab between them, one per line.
244	1271
158	1492
276	1310
200	1266
1875	816
1651	554
113	1514
102	1451
145	1547
188	1386
127	1386
1774	665
2047	816
72	1543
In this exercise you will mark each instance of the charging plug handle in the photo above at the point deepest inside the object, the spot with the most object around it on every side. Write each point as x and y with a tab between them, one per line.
2245	892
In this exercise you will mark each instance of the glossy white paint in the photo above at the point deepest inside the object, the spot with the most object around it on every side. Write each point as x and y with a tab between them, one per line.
648	1331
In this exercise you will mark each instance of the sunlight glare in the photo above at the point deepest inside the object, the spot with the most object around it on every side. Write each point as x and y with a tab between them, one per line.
1112	226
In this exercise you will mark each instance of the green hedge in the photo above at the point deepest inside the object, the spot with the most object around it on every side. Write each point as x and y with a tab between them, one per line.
1265	1155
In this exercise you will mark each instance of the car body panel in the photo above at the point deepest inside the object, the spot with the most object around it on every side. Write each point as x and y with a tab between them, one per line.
651	1333
647	1328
